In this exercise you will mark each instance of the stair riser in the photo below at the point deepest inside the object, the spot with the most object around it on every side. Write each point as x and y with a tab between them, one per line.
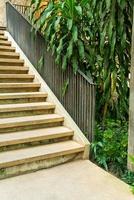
32	142
38	165
6	63
5	44
26	100
9	56
2	28
8	49
14	90
13	71
15	80
25	113
3	38
30	126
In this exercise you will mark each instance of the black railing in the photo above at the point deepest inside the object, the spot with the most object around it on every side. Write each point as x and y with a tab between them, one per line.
79	99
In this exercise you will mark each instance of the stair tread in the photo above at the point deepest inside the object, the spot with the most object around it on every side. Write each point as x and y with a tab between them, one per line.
21	156
17	85
7	48
45	133
9	53
20	121
22	95
5	42
12	76
26	106
2	37
2	32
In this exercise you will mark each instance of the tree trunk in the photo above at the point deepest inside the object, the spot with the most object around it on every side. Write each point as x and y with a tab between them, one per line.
131	107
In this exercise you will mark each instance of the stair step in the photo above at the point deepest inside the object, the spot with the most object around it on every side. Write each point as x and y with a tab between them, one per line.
30	122
5	43
24	109
19	87
3	28
24	137
2	32
28	155
2	37
9	55
13	70
16	78
11	62
22	97
7	49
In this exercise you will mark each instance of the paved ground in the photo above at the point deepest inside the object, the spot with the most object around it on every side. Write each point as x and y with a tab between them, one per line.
79	180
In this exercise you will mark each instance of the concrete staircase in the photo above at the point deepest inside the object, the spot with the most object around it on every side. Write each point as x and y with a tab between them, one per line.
32	135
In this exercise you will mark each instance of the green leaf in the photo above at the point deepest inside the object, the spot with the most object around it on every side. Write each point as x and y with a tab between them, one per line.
64	88
81	49
108	4
40	63
79	10
64	63
70	49
75	33
57	24
69	24
113	42
75	64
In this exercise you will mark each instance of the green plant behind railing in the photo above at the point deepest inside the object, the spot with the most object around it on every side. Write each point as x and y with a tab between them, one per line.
109	150
94	36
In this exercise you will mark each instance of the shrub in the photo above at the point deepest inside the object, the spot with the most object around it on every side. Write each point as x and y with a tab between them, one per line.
110	147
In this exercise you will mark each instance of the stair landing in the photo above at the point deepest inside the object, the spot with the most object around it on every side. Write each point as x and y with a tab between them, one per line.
78	180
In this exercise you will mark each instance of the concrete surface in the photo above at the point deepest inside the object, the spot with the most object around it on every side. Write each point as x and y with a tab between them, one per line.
79	180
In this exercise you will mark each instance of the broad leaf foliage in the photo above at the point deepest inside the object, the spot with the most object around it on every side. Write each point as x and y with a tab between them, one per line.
95	36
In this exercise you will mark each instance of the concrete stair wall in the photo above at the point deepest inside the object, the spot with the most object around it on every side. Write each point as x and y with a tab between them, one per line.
33	135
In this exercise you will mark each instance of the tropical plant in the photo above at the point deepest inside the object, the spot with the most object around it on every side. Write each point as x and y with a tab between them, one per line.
62	24
128	176
109	150
94	36
112	28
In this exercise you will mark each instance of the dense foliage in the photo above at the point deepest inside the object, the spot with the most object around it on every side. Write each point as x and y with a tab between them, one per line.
94	36
110	147
109	150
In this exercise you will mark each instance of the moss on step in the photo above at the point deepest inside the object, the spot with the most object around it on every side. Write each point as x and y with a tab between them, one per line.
38	165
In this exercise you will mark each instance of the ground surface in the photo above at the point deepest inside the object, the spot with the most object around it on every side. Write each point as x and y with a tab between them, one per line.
79	180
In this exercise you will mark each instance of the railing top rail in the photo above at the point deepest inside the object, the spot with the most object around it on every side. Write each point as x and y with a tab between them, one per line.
89	80
16	4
